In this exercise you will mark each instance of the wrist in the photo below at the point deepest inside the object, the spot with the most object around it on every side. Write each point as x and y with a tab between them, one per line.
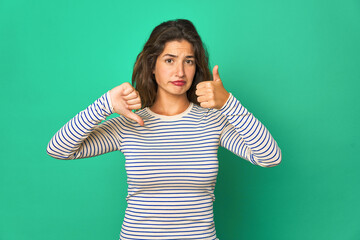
108	94
227	97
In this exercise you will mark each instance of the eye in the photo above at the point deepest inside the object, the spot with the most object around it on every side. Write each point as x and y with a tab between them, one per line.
169	60
191	62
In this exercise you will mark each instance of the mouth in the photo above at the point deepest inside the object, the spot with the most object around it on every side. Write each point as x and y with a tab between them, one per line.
179	82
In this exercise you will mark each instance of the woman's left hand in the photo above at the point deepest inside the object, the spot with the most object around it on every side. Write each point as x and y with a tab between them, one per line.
212	94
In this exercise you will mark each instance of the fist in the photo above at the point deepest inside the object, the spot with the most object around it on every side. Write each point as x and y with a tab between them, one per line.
124	99
212	94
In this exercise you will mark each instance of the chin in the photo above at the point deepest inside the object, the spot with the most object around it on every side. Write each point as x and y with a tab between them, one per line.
179	91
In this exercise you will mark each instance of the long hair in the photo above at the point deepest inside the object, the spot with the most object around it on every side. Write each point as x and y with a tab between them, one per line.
180	29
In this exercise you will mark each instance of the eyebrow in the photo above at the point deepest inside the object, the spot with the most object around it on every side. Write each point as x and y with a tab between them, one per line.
171	55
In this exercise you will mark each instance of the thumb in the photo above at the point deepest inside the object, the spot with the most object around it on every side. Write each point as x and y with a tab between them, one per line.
135	117
216	76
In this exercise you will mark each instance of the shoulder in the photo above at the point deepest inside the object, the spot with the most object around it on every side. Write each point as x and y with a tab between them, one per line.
207	113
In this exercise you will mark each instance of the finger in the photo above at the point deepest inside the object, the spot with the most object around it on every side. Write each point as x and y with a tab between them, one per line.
127	90
216	76
202	91
135	117
130	96
133	101
205	104
204	84
134	106
202	99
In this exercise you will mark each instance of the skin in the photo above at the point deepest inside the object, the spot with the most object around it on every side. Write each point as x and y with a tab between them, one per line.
176	62
212	94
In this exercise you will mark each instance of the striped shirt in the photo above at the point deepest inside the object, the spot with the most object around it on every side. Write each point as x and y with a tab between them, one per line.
171	162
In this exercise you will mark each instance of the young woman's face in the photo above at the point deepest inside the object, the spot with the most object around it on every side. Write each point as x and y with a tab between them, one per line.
175	68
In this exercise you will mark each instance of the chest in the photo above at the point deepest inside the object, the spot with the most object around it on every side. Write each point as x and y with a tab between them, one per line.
171	154
176	140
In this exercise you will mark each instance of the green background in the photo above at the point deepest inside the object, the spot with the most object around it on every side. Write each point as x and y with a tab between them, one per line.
294	64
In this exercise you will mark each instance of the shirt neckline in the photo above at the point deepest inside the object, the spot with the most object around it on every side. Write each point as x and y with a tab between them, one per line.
173	117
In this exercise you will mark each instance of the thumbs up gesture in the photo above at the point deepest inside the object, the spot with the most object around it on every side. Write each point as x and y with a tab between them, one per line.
212	94
125	98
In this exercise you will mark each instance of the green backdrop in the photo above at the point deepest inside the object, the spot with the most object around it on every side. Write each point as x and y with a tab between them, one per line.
294	64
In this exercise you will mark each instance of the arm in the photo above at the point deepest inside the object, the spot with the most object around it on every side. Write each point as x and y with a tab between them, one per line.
243	134
247	137
83	137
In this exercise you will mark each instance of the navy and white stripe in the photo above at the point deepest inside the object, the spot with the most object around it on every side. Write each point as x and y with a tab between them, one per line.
171	162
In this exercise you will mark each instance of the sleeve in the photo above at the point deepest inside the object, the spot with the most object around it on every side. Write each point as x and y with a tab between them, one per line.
83	136
247	137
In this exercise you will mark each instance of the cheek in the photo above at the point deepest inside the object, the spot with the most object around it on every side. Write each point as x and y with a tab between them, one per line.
162	74
191	73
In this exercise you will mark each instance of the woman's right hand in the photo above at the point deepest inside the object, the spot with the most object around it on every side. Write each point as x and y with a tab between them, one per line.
125	98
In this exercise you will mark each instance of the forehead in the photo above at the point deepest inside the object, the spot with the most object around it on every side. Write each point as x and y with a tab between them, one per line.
178	47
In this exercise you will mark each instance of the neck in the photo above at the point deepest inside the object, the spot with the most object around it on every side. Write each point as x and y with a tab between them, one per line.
170	105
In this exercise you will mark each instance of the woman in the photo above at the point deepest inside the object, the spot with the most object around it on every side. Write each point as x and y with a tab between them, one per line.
170	144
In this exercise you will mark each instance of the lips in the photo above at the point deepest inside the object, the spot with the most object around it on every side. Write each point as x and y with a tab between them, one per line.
179	83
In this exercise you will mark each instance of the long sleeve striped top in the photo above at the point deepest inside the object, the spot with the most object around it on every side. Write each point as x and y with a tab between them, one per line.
171	162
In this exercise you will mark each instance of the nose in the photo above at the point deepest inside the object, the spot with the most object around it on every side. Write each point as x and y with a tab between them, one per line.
180	70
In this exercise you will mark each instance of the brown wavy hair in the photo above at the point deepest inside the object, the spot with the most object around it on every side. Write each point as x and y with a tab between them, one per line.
143	78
